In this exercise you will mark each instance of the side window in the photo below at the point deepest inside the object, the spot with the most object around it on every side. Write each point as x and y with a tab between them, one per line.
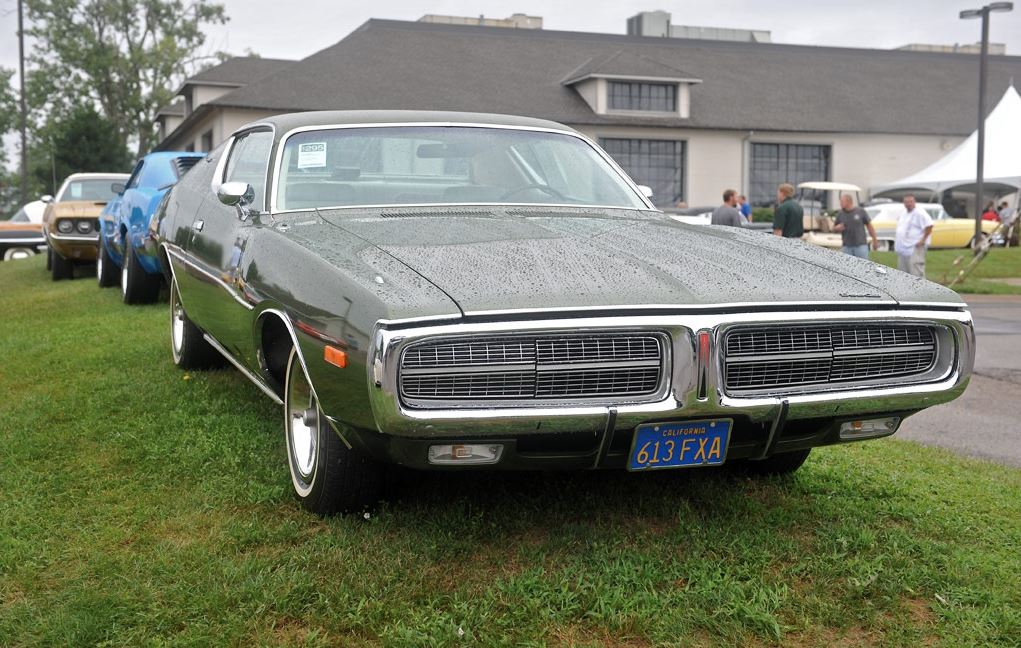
136	175
249	162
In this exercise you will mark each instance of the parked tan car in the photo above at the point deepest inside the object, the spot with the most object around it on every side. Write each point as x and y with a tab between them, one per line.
71	220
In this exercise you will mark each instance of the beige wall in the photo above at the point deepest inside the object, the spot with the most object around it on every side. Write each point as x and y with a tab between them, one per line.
718	160
201	94
222	122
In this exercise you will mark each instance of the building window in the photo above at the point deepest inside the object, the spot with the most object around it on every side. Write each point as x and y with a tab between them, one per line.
774	164
658	164
655	97
207	141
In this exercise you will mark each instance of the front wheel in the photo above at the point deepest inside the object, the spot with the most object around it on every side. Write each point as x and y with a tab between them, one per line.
61	268
327	476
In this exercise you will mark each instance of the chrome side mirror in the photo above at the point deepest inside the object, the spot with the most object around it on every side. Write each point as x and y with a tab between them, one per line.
47	199
237	194
117	187
646	191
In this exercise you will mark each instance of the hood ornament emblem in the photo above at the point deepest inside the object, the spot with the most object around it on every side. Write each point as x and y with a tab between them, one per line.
861	295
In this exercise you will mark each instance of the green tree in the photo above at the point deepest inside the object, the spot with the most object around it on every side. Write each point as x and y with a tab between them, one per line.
127	55
9	185
80	142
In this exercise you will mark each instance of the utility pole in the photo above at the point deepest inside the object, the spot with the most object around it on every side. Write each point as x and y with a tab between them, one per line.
23	123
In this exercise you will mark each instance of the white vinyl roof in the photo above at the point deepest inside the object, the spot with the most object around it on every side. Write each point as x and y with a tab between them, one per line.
829	186
956	169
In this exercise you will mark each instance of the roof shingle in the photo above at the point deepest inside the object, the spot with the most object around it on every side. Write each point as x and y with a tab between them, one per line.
746	86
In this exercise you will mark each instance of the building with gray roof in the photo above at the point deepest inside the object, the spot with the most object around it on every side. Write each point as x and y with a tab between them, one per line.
687	117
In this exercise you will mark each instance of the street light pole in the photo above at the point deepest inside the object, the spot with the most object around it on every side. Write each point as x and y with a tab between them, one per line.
982	13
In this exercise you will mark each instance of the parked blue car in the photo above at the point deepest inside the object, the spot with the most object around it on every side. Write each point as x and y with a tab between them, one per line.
126	250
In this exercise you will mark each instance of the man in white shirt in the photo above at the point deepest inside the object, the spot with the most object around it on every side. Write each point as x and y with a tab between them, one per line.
913	230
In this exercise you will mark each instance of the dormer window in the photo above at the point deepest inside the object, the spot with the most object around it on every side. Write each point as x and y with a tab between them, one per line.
655	97
622	82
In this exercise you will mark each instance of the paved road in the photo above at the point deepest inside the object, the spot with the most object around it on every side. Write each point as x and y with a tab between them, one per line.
986	420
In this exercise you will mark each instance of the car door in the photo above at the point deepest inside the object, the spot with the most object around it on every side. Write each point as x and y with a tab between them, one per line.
217	245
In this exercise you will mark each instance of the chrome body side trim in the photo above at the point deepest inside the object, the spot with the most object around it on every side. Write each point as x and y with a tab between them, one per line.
680	400
244	371
177	253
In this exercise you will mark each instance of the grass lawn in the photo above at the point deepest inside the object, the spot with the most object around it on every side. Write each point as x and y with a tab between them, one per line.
939	267
142	505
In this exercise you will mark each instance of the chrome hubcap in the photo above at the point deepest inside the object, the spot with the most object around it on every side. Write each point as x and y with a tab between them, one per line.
176	322
302	428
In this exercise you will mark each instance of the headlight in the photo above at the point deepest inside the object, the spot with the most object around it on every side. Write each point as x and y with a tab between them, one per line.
84	226
65	226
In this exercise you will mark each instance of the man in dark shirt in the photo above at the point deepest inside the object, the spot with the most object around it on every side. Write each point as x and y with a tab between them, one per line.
852	221
727	213
788	218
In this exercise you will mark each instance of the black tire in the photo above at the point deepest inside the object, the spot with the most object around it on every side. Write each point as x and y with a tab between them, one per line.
783	463
327	477
105	268
189	348
60	268
137	285
49	259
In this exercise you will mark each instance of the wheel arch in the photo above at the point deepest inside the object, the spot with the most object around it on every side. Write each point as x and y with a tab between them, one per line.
274	338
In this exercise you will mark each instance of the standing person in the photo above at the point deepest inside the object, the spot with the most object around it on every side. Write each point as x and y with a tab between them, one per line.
727	213
745	207
788	217
852	222
1006	213
913	230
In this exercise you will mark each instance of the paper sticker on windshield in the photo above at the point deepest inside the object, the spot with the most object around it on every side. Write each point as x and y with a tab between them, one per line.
76	190
311	155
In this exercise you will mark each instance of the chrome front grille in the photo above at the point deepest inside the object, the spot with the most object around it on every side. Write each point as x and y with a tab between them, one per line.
553	368
795	359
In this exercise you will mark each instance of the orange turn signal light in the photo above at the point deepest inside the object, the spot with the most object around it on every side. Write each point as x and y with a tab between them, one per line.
335	357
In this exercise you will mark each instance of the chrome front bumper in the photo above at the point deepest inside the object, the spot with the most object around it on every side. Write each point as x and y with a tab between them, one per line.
681	400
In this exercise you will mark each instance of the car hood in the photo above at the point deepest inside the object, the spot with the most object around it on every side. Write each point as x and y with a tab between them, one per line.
489	260
77	208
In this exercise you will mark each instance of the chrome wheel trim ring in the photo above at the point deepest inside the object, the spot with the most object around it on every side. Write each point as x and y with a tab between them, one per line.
99	265
176	323
301	428
124	275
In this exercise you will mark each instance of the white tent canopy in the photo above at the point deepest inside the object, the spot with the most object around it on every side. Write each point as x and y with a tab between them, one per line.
956	169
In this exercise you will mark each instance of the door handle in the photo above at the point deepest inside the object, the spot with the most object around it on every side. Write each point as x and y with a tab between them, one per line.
198	225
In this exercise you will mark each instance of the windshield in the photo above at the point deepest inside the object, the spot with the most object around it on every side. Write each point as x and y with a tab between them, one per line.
20	217
405	165
92	189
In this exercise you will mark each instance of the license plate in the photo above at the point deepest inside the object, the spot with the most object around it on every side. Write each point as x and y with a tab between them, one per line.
680	445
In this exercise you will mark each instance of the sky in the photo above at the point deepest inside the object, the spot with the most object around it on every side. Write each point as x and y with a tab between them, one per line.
277	29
